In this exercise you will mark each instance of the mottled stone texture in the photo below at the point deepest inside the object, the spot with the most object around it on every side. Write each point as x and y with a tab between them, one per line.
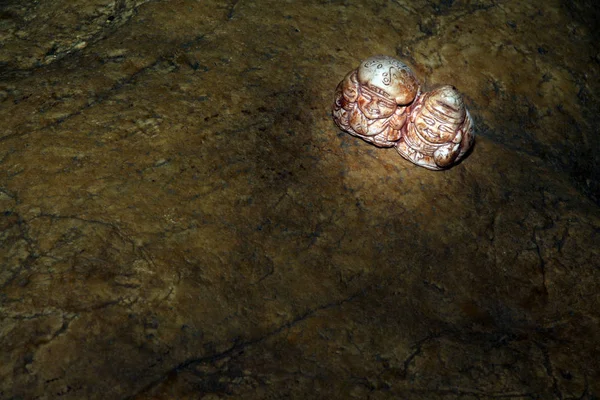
182	219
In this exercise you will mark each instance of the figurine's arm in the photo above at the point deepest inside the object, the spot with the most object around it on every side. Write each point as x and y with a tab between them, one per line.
396	123
445	155
358	121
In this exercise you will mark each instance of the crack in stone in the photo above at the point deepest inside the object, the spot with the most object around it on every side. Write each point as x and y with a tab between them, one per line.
420	22
26	317
479	394
89	104
238	347
120	9
231	13
418	348
97	307
542	263
472	10
32	248
125	237
106	94
67	319
549	369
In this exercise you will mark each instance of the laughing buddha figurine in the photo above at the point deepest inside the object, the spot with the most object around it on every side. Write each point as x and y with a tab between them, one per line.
371	101
439	130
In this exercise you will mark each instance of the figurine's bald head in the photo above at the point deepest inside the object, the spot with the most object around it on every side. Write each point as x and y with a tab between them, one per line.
390	78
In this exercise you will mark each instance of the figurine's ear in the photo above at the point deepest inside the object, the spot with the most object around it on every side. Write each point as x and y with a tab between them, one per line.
350	86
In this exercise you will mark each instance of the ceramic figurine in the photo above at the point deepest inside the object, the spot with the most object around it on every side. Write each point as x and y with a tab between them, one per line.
371	101
439	130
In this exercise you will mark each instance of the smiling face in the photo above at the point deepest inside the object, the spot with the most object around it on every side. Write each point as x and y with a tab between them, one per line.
374	105
435	130
441	115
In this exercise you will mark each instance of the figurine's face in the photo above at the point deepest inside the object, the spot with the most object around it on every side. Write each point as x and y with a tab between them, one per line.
374	105
434	129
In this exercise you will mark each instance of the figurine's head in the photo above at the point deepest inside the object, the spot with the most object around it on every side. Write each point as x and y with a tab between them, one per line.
374	104
441	115
384	84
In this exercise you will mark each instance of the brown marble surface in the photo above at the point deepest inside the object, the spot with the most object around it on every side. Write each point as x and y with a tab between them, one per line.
181	219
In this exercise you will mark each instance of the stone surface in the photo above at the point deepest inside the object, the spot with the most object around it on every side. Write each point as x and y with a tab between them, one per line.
182	219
